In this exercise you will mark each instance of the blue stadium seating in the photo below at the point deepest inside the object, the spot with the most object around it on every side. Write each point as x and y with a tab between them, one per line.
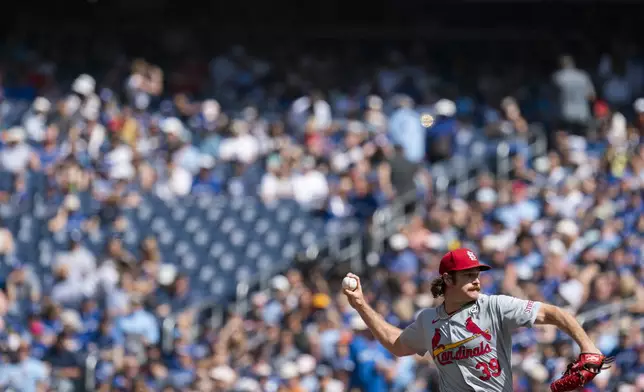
216	240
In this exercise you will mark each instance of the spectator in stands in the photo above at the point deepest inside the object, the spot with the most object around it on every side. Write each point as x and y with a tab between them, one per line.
363	200
444	131
206	181
177	181
276	183
35	120
138	322
242	146
17	155
176	298
310	187
402	261
576	90
67	366
339	205
23	372
397	175
373	364
405	130
23	290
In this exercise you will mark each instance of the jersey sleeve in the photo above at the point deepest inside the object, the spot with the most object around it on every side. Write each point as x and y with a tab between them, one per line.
514	313
414	335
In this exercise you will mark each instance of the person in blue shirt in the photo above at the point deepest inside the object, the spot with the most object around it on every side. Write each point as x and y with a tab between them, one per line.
405	374
106	337
175	298
90	316
139	322
182	371
520	209
363	201
441	137
51	318
401	260
528	256
632	211
372	361
206	181
40	342
50	152
405	129
22	372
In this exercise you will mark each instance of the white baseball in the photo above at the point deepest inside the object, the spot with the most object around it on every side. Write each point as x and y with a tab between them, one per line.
349	283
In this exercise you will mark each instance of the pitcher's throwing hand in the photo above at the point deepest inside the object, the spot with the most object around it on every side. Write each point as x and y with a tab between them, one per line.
355	296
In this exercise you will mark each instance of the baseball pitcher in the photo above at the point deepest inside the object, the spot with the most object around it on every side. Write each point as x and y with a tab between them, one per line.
470	334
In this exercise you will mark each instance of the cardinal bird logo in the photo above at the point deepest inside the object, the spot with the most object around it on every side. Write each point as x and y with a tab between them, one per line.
436	340
474	329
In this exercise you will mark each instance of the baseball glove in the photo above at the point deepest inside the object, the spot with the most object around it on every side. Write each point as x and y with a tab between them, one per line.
580	372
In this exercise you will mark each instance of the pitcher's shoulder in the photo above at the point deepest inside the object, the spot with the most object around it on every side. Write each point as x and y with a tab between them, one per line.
494	299
492	302
427	315
485	301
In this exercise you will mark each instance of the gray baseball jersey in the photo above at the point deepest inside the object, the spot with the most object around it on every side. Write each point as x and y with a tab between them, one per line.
472	348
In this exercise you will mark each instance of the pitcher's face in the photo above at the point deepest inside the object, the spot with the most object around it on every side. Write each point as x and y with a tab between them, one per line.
467	284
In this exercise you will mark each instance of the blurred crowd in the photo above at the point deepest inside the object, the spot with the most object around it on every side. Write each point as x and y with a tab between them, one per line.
79	153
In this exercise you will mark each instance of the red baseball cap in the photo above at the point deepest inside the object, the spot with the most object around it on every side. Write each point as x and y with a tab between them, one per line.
36	328
459	260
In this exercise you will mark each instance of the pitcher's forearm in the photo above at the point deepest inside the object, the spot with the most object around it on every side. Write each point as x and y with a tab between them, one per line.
568	324
386	333
571	327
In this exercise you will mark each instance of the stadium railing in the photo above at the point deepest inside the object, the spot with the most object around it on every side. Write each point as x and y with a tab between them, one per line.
90	372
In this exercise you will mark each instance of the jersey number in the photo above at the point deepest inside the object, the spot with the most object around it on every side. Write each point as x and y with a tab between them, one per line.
490	369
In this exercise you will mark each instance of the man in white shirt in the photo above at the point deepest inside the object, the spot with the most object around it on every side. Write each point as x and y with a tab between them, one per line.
313	105
310	188
17	156
184	154
276	183
35	121
79	261
243	147
178	182
119	159
353	151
